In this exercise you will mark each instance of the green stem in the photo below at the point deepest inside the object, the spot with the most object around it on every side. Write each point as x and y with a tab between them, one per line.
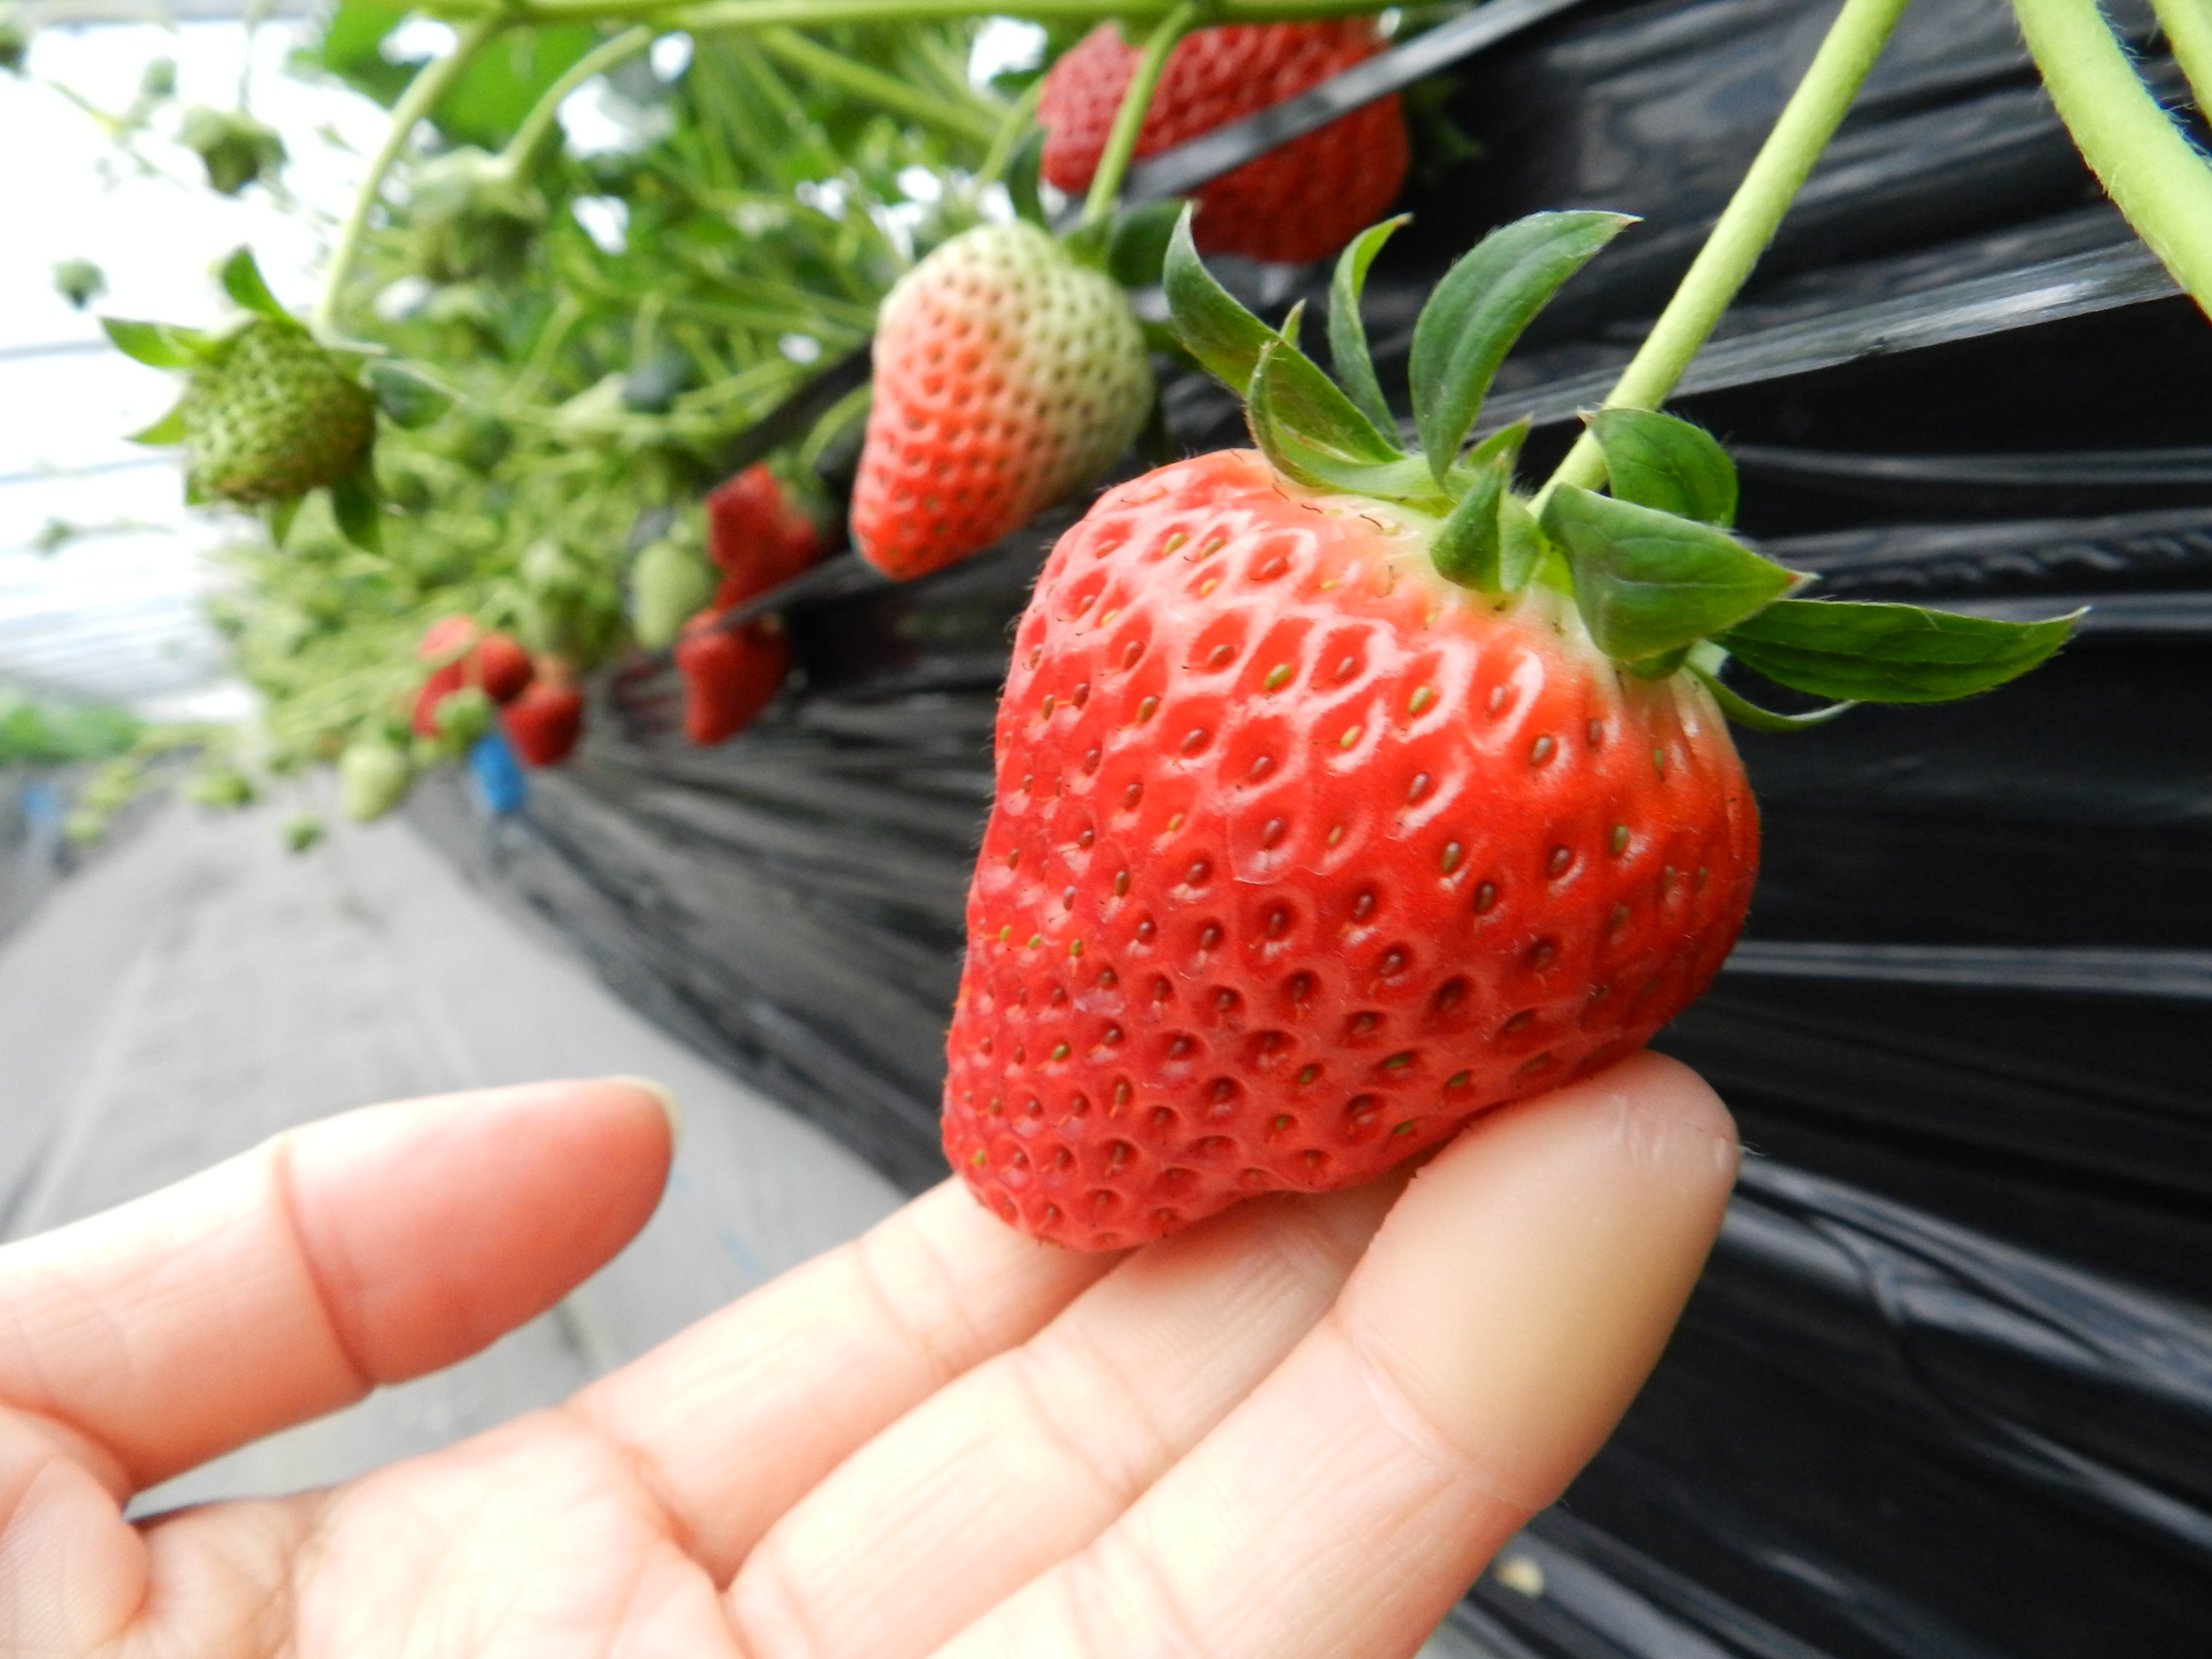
2187	25
872	85
521	149
808	13
1008	138
415	105
2147	167
1129	119
1746	226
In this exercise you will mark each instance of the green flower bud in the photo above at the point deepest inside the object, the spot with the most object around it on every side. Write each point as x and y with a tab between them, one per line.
236	149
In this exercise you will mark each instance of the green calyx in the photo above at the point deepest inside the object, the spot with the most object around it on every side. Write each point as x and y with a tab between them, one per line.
269	413
236	149
1662	584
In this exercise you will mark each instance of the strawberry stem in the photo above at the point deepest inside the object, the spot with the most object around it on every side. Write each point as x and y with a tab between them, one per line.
812	59
521	149
2188	28
415	105
1129	119
2148	167
1747	225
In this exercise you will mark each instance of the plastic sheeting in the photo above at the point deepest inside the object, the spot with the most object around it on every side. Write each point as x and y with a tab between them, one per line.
1947	1387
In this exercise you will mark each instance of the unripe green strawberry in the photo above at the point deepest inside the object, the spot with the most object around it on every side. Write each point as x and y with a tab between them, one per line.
274	416
669	582
236	149
470	214
373	774
1006	374
14	38
572	607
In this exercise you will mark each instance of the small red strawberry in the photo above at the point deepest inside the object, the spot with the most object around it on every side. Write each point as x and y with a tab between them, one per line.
756	536
494	662
502	667
1301	202
544	723
1008	374
730	675
1342	796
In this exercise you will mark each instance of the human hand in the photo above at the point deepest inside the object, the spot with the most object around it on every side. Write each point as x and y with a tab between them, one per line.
1283	1433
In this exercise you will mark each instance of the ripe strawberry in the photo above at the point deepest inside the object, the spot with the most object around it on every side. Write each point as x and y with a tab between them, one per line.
544	722
1302	854
502	667
1006	374
729	675
756	536
494	663
1341	796
1301	202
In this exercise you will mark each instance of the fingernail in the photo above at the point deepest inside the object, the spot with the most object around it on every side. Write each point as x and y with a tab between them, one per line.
671	1108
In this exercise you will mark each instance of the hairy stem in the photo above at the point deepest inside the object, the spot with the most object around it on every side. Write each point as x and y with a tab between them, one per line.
1746	226
2146	165
820	62
420	99
1129	118
2187	25
522	150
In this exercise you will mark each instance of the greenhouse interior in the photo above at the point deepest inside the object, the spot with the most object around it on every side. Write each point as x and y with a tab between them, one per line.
1123	643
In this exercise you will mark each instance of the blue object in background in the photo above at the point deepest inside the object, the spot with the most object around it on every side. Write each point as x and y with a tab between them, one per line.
500	786
44	814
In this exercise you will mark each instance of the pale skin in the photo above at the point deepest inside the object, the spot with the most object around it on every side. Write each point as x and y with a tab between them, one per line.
1299	1429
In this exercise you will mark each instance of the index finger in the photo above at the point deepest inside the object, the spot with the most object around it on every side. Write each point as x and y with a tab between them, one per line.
287	1282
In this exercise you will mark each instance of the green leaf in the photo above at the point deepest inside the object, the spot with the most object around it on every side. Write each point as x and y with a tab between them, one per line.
156	345
280	515
1140	242
1309	429
241	280
1467	548
1021	179
169	429
1347	334
407	399
1216	330
1506	441
350	49
1647	581
1744	712
1889	653
1658	461
1480	309
360	515
489	99
1522	547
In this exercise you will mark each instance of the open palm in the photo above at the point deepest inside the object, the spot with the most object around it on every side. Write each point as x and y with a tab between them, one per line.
1299	1429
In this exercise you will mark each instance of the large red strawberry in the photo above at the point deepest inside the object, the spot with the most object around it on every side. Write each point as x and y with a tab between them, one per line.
730	674
1302	201
1006	374
757	536
1341	796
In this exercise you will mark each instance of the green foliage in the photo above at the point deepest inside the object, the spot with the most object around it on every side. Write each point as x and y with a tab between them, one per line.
39	732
